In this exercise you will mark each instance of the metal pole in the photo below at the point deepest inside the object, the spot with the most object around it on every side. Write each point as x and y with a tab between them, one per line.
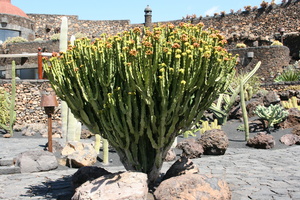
40	64
50	133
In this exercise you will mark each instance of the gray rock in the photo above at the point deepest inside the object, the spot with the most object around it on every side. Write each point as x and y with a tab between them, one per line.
190	148
261	141
290	139
296	130
192	186
271	98
79	154
251	107
214	142
292	120
171	155
117	186
34	129
36	161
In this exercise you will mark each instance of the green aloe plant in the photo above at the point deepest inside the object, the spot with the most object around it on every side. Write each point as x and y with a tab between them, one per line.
225	101
140	89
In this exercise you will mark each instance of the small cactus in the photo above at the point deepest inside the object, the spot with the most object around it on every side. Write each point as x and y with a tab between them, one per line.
9	103
291	103
206	126
274	114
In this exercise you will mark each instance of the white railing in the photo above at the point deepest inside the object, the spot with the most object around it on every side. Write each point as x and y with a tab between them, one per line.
23	55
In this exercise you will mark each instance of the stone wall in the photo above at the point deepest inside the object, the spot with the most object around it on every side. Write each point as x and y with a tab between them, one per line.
28	99
27	47
273	60
256	27
259	24
47	25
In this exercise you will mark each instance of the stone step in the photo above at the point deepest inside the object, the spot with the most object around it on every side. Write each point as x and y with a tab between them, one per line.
9	170
6	162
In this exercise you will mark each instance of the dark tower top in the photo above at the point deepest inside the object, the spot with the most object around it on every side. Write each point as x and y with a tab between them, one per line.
148	16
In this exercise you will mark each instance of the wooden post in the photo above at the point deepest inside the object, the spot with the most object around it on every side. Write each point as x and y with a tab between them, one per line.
50	133
40	64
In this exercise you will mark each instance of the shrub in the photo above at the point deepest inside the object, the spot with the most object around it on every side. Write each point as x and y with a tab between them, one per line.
276	43
15	40
240	45
4	107
80	35
264	4
38	39
247	8
140	89
55	37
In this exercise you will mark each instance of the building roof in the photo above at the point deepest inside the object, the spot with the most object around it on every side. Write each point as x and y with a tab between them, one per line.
7	8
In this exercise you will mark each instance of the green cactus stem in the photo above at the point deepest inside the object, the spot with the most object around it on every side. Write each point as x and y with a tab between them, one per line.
244	111
10	103
97	143
71	127
105	152
140	89
225	101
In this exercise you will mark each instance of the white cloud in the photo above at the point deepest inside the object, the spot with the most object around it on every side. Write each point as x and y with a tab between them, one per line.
212	10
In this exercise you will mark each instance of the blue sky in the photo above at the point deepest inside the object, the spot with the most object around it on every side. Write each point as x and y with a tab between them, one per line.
133	10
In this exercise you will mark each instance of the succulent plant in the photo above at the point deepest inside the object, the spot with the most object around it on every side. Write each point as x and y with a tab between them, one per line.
274	114
7	104
141	88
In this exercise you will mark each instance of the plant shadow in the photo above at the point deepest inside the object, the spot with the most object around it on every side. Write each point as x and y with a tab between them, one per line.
60	189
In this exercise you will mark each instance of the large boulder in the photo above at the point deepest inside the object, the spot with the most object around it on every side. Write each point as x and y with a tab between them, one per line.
271	98
88	173
34	129
296	130
117	186
251	107
292	119
193	186
190	148
182	166
261	141
290	139
36	161
214	142
79	154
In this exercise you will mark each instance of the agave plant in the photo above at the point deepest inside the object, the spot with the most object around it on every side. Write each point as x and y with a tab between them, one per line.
290	74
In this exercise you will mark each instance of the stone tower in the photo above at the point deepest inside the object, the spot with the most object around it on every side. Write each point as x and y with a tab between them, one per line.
148	16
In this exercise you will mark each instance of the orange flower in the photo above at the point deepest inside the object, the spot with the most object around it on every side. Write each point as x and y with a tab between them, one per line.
147	44
149	52
137	30
133	52
176	46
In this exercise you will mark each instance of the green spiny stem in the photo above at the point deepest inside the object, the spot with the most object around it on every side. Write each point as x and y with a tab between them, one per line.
244	111
221	111
139	91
